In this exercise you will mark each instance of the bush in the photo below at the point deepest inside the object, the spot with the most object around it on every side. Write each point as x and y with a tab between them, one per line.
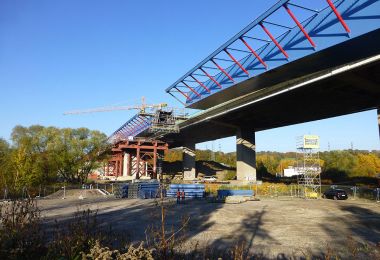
99	252
21	236
76	236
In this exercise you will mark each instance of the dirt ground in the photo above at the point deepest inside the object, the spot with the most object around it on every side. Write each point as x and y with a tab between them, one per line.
271	227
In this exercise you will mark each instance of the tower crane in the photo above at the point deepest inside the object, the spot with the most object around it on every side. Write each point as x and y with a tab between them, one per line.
143	108
159	117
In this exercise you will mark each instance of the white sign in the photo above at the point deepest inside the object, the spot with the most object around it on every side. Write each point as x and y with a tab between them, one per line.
311	141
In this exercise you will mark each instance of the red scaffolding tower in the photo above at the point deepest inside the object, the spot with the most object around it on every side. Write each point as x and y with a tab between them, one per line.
136	158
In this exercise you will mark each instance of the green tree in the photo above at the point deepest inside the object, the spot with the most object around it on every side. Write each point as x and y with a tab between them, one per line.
6	171
79	151
269	161
42	154
339	161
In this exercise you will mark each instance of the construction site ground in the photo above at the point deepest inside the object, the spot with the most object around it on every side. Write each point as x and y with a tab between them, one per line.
271	226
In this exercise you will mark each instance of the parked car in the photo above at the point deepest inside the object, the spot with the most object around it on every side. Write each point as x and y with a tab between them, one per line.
209	178
336	194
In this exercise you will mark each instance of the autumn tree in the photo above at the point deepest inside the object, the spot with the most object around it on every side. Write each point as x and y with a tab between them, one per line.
6	170
285	163
41	155
173	155
367	165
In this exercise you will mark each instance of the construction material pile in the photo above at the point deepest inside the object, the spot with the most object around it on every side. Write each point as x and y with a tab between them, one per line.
191	190
235	196
148	190
142	190
225	193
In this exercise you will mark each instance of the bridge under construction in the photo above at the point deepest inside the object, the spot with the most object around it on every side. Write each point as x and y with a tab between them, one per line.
309	64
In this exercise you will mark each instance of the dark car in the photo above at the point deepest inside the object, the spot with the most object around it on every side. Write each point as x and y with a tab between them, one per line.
335	194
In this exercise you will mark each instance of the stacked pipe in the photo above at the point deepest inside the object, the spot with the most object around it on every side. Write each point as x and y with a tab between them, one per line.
142	190
121	191
133	189
148	190
191	190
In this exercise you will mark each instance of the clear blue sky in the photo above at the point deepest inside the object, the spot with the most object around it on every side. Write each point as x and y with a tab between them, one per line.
61	55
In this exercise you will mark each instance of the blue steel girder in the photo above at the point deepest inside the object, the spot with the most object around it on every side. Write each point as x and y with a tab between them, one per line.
335	22
133	127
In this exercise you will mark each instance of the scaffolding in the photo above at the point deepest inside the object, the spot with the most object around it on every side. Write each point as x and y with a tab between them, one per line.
153	123
136	158
165	120
308	166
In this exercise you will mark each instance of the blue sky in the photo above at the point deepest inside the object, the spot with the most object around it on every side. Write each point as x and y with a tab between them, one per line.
62	55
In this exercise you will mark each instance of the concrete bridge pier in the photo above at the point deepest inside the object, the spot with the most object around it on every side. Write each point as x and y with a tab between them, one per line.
245	155
189	161
378	119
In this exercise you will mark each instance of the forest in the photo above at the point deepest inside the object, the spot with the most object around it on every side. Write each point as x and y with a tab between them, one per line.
336	165
41	155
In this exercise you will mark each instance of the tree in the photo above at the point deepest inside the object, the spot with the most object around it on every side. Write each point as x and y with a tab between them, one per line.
368	165
79	151
269	161
33	153
173	156
42	154
5	164
285	163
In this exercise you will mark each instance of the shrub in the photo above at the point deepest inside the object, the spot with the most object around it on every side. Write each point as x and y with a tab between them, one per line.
21	236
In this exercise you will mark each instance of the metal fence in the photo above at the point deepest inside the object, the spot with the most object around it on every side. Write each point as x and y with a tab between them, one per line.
60	190
273	190
293	190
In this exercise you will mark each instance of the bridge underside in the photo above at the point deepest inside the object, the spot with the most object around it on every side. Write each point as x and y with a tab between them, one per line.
322	95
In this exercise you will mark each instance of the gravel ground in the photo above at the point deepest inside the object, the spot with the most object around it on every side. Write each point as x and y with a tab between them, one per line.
271	227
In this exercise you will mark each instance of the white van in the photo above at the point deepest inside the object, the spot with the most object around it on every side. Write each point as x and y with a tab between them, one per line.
209	178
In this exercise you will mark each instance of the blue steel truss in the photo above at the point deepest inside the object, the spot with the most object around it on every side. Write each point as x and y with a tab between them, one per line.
134	126
248	55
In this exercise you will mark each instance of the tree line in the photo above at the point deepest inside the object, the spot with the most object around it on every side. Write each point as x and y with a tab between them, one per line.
337	163
39	155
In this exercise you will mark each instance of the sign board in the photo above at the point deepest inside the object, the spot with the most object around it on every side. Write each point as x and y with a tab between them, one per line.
311	141
130	138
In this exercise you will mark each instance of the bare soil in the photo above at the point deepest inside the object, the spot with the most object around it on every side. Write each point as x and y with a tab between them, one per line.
271	227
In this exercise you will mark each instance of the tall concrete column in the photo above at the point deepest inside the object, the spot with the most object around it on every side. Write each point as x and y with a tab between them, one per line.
189	161
245	155
126	164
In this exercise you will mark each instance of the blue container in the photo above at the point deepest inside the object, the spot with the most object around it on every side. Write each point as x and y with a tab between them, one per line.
191	190
225	193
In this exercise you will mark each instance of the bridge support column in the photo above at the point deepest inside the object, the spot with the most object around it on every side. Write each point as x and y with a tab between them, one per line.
127	165
245	155
189	161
